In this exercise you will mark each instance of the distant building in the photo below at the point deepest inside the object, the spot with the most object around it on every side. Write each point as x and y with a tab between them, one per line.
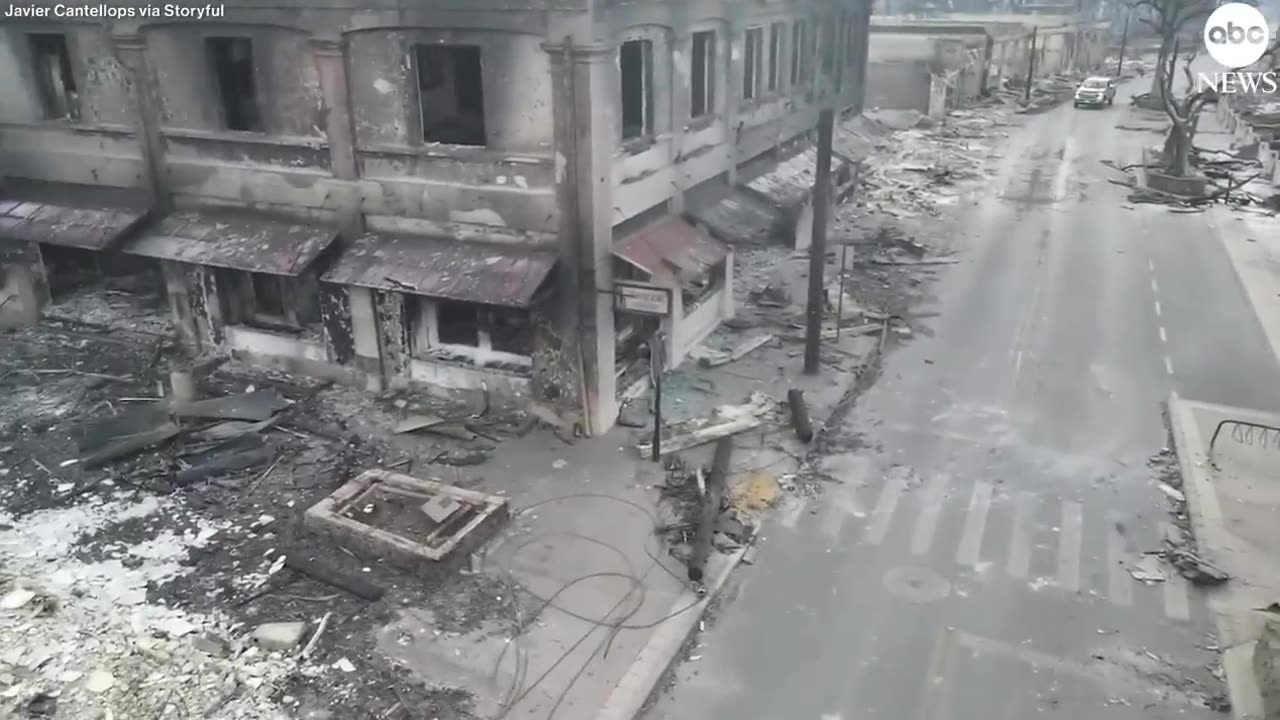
938	63
433	195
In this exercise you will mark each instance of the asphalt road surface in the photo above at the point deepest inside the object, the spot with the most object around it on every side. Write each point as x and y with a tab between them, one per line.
972	564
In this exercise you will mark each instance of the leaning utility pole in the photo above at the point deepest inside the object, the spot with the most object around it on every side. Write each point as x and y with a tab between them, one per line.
818	244
1124	39
1031	66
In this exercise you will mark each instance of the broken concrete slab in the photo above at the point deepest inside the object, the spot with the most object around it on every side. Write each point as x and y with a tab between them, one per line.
131	444
223	464
397	528
417	422
1148	570
441	507
716	358
726	420
256	405
279	636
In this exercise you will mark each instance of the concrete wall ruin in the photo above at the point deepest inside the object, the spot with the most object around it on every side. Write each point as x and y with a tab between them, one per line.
337	134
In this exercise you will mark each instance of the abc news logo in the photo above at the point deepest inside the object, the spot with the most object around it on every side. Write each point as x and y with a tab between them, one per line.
1235	34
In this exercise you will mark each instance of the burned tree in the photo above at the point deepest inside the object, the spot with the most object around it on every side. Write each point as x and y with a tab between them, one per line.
1176	22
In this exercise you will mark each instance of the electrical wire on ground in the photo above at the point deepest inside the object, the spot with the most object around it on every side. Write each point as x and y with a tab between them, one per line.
611	620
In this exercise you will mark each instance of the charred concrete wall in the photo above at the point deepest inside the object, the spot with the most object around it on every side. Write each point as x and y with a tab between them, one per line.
338	123
683	149
99	144
507	181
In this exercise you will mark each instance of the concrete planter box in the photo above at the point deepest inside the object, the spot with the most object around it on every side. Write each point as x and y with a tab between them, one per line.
379	515
1190	186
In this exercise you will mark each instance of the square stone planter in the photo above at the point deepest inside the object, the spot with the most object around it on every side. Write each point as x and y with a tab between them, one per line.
405	520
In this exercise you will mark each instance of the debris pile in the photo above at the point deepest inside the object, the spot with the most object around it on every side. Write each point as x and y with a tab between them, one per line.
914	177
1178	551
701	513
80	637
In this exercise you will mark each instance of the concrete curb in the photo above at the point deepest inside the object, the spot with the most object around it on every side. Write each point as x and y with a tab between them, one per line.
658	655
1203	509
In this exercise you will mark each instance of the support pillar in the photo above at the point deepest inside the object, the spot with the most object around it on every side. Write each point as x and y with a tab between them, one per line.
682	51
585	140
340	131
132	53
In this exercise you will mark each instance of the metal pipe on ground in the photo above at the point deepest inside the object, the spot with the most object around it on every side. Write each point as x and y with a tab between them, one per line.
800	415
711	500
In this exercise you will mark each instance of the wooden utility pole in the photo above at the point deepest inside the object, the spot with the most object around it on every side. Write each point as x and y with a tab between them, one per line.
1031	66
1124	40
818	244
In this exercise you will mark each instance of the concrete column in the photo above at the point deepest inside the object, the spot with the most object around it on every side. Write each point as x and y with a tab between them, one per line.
19	296
732	57
681	52
585	119
176	283
364	336
132	52
331	65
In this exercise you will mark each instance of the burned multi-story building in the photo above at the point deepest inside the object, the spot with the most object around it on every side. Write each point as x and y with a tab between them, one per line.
436	194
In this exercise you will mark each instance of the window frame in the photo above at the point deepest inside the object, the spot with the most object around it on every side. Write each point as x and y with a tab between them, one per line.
710	64
752	62
44	88
648	96
216	83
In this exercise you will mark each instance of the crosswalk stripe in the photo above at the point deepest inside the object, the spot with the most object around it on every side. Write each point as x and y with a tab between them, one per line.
1024	512
881	516
930	512
975	524
792	511
1070	536
1177	605
1119	582
842	503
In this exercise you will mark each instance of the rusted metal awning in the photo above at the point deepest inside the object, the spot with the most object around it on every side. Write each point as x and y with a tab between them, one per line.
468	270
238	241
674	246
90	227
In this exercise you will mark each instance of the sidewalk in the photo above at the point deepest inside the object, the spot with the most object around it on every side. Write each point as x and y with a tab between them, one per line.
1233	497
584	534
1231	486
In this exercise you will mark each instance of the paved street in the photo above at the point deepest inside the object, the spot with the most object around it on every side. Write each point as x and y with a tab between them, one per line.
972	562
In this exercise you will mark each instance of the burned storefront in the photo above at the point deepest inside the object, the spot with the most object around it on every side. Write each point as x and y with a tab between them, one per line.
695	268
55	242
434	312
244	285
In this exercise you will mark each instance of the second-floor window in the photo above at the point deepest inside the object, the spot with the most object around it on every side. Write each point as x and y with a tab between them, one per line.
635	64
753	63
55	80
775	56
451	94
799	56
231	59
702	75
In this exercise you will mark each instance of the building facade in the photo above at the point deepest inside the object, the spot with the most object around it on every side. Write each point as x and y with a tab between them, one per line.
436	195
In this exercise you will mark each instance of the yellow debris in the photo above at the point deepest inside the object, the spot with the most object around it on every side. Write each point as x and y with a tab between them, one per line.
757	491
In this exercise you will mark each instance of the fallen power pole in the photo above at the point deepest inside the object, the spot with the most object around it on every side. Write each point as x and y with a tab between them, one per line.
711	500
800	415
818	244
